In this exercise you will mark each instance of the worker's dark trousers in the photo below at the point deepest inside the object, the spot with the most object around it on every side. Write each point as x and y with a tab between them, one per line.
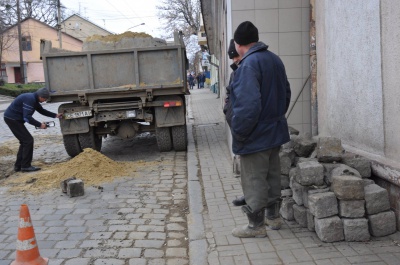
25	151
261	178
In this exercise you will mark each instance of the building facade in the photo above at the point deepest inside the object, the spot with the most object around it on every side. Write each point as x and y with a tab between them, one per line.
32	32
352	51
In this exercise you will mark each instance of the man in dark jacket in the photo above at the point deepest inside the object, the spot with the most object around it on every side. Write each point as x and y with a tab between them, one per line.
260	94
19	112
235	57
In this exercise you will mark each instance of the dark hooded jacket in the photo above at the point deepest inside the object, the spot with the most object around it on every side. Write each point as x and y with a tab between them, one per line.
260	94
24	106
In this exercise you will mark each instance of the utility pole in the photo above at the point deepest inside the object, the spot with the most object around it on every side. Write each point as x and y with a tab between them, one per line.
21	60
59	23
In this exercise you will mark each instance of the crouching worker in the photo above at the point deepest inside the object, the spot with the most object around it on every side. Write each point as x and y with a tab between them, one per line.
21	111
260	95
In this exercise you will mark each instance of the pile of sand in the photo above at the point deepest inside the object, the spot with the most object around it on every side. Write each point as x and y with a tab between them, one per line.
127	40
7	151
90	166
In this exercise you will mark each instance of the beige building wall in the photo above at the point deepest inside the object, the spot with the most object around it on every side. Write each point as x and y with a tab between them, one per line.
33	65
284	26
81	28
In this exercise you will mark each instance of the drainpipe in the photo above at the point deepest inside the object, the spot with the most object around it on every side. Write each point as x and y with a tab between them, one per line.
313	69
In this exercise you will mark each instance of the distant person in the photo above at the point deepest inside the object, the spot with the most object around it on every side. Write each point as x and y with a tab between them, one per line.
202	80
198	79
260	95
191	81
21	111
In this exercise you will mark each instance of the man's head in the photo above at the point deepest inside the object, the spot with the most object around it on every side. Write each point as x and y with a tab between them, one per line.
246	34
43	94
232	53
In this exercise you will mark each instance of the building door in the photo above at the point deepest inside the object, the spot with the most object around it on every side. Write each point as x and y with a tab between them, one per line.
17	75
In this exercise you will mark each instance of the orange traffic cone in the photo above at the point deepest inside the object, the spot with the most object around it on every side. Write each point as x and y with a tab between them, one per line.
27	248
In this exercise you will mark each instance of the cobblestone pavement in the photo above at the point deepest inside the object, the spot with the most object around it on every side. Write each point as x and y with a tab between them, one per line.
143	220
290	245
140	220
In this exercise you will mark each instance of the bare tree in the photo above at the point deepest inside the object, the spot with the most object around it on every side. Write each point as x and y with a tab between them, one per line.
43	10
182	15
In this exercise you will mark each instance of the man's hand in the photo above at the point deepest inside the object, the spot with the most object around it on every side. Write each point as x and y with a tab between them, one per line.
59	115
43	126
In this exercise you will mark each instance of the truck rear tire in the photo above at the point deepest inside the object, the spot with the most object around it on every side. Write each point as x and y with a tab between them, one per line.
72	145
179	137
90	140
164	142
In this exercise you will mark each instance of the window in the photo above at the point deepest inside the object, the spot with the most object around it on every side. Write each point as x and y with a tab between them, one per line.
26	43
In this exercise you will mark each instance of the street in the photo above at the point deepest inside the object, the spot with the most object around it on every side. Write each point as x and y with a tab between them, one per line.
174	209
140	219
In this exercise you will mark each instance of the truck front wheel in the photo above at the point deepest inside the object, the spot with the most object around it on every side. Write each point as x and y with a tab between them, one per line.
179	137
90	140
72	145
164	142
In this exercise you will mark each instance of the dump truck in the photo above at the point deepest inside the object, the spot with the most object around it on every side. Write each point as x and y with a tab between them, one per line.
120	89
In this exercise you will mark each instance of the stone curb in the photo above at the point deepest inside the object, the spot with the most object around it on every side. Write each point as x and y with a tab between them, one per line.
196	232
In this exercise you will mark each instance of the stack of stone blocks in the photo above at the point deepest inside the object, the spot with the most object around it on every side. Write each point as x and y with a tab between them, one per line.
329	191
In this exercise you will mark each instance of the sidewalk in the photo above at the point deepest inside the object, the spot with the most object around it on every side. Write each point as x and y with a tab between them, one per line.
211	242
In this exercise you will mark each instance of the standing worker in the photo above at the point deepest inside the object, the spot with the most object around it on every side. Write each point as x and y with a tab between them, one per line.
260	94
21	111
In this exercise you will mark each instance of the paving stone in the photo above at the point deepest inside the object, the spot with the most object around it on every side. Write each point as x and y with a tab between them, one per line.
323	204
329	229
348	187
376	199
356	229
352	209
329	149
310	173
382	224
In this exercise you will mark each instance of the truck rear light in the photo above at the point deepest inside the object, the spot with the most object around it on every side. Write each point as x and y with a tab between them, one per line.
168	104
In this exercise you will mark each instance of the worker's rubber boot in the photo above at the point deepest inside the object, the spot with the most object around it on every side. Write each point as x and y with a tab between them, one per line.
239	201
255	227
272	217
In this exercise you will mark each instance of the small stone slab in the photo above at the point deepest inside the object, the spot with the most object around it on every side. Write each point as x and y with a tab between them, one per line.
329	229
323	204
356	229
329	149
382	224
75	188
348	187
376	199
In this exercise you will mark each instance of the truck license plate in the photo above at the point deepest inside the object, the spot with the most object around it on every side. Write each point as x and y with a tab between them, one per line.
78	114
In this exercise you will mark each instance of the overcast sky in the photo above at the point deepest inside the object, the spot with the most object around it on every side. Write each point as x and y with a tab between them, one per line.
118	16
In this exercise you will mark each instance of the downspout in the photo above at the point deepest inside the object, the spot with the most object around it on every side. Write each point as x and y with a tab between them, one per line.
313	70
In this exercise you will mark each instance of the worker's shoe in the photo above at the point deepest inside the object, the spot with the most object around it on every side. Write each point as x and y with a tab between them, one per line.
255	227
239	201
17	169
30	169
272	217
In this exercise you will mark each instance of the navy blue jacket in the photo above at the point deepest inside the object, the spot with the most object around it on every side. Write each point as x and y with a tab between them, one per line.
260	94
23	107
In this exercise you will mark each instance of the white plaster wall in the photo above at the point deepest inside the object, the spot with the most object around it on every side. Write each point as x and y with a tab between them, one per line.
390	17
350	99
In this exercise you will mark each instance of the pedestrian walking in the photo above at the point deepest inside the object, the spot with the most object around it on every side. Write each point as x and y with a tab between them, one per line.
260	95
191	81
21	111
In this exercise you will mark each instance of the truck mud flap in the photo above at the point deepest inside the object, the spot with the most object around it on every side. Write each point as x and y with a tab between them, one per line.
172	116
74	126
